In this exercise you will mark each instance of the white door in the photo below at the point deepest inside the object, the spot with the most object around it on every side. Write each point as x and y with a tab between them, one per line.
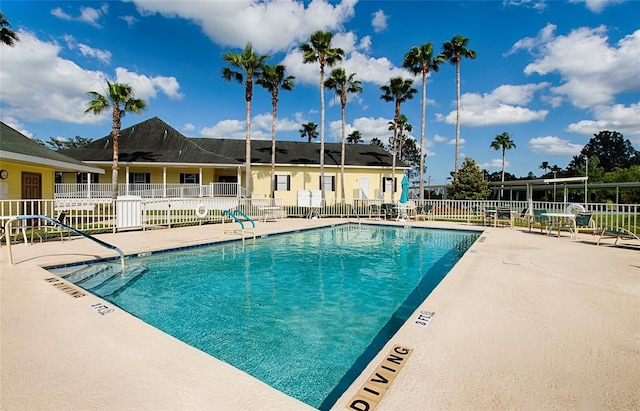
364	188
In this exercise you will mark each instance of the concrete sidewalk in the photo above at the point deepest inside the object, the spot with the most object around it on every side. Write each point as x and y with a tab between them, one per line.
523	321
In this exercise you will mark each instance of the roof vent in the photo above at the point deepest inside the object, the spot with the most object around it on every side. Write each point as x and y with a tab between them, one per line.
165	133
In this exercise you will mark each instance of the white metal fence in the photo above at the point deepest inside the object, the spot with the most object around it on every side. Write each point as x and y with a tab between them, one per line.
106	215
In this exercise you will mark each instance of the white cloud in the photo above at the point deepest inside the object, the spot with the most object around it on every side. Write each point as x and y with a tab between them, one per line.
554	146
260	127
497	164
592	71
597	6
502	106
234	23
621	118
188	127
440	139
379	21
539	5
87	15
103	55
130	20
38	84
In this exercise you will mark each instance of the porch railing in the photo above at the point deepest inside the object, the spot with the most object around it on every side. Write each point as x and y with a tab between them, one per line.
103	190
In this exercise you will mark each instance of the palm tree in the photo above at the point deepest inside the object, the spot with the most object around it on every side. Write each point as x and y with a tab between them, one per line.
503	141
249	65
120	99
377	142
343	85
403	125
273	79
420	60
354	137
7	35
319	50
309	130
398	90
544	166
454	51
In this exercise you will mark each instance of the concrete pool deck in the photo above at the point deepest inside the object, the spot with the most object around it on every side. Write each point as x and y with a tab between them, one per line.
523	321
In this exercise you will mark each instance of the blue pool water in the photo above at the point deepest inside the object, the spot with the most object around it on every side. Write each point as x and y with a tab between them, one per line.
303	312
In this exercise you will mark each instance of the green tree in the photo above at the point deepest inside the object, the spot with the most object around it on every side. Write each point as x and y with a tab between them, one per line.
61	144
354	137
274	79
503	142
120	99
468	182
398	91
403	125
343	85
544	166
309	130
420	60
454	51
377	142
630	195
319	50
7	35
245	67
612	149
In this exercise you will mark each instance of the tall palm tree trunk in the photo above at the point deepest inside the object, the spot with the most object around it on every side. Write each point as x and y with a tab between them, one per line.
247	177
273	153
115	132
422	125
393	161
342	155
457	114
322	133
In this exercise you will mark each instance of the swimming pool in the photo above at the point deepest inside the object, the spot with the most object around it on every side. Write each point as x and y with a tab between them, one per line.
303	312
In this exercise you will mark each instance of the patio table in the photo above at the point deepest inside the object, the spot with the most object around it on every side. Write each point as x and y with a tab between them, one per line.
269	213
557	218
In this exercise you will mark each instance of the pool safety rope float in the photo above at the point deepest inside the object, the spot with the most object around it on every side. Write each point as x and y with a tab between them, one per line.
201	210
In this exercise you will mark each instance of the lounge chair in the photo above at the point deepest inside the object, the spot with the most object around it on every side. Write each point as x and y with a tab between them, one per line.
617	233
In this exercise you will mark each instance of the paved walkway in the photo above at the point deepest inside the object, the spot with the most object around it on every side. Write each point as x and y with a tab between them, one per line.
523	321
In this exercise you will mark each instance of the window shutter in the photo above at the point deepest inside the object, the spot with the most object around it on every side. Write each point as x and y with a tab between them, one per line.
147	178
288	183
181	178
333	183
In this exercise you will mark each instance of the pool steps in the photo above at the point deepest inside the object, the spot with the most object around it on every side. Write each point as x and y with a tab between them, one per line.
101	279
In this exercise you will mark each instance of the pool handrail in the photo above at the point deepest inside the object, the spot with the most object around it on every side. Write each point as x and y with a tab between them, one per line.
234	218
236	211
55	222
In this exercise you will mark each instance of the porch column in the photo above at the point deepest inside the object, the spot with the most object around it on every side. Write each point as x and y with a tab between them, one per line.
126	190
238	186
89	185
164	182
200	180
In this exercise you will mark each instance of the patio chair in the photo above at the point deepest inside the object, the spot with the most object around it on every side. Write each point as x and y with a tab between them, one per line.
488	215
584	222
375	211
424	212
618	233
503	214
49	227
538	218
390	211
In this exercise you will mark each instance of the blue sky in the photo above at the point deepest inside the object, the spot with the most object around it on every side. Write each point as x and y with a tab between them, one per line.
550	73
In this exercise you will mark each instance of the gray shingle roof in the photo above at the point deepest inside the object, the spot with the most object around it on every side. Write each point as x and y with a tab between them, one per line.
16	145
154	141
295	152
151	141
